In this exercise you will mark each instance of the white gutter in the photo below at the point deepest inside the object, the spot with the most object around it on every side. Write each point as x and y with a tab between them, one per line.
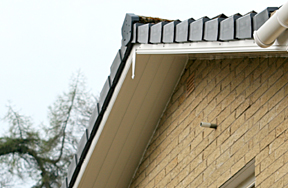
272	28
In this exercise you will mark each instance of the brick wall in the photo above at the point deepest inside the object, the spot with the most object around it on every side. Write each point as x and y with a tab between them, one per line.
247	98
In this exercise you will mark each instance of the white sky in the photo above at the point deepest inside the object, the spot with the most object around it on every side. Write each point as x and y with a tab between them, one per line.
43	42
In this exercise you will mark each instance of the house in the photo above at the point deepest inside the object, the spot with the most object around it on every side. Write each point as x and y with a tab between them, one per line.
167	78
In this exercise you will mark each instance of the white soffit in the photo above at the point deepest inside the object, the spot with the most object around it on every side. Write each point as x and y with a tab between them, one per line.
130	119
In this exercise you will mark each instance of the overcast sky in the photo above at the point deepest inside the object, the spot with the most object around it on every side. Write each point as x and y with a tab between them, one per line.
43	42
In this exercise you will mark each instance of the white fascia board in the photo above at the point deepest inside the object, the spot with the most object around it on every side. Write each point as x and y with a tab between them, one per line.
207	47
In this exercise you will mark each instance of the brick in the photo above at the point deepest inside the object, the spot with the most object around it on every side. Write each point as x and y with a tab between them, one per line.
238	165
228	100
242	86
223	115
223	94
278	183
281	128
242	108
281	172
201	106
222	158
214	92
200	87
159	177
260	113
272	90
253	87
164	181
276	98
240	131
200	168
272	79
196	162
237	145
268	139
188	179
276	121
215	113
270	170
262	155
251	132
223	136
242	66
224	73
267	162
276	143
253	109
268	73
228	79
285	180
267	117
253	63
237	123
257	170
260	69
281	150
241	152
184	133
223	178
213	156
267	182
196	141
256	95
252	153
235	82
171	165
209	149
197	181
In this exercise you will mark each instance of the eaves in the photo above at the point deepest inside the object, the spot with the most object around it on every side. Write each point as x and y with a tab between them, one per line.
143	75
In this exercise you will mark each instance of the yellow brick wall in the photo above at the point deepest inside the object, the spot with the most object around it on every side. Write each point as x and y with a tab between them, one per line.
247	98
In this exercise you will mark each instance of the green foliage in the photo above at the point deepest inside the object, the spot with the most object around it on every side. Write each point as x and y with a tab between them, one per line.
44	153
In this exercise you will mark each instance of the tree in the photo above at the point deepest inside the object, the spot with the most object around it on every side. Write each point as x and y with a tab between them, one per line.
44	153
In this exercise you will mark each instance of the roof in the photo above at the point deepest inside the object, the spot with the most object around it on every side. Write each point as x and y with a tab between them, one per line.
151	31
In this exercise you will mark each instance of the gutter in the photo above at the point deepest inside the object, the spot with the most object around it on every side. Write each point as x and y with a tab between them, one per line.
266	35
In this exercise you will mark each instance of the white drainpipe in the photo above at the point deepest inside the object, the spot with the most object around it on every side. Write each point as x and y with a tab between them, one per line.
272	28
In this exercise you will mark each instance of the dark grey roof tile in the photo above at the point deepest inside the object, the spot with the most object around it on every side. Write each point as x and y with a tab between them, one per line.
135	32
123	50
197	29
82	147
127	27
212	28
260	18
64	183
72	168
244	26
169	32
115	65
156	32
228	28
103	99
92	120
182	30
144	33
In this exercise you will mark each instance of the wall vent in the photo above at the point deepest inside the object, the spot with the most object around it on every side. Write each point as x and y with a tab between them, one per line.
190	84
